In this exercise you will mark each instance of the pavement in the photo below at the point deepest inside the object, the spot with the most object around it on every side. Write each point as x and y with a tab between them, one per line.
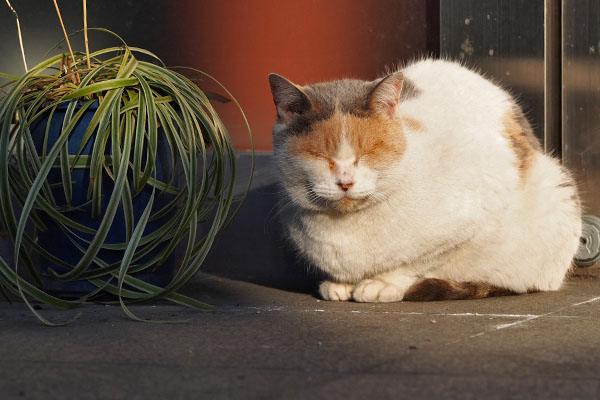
270	337
262	342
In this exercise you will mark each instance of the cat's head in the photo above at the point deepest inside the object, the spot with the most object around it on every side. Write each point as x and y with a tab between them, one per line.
338	144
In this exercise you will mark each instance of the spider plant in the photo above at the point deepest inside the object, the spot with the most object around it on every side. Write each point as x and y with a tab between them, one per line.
134	103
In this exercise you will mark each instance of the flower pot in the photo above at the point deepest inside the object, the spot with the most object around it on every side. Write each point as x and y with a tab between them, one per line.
70	246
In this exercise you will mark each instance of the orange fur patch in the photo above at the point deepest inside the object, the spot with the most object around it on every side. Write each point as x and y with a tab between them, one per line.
413	124
432	289
377	140
522	142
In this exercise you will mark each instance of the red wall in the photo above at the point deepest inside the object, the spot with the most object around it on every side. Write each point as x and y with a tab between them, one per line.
240	42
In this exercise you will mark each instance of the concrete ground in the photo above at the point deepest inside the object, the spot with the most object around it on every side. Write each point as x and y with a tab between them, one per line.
262	342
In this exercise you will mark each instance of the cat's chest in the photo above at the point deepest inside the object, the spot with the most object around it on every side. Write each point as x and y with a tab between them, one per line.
351	231
381	238
349	246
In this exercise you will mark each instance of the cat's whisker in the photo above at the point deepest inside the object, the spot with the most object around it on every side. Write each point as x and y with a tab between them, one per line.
279	207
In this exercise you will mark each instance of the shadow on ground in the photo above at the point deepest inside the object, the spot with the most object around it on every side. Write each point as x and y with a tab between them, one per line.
253	248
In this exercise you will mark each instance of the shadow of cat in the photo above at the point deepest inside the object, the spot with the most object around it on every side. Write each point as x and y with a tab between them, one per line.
253	247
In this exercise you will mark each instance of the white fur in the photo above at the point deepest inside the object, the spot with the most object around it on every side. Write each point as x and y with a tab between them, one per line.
453	207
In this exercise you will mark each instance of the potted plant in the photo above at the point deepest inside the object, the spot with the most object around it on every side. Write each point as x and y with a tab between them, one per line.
108	164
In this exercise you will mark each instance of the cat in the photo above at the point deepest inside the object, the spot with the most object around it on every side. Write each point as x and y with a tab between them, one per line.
426	184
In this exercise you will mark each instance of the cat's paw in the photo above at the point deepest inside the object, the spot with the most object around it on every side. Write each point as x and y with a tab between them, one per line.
377	291
336	291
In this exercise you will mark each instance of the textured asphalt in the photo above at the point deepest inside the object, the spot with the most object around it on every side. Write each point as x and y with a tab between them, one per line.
267	343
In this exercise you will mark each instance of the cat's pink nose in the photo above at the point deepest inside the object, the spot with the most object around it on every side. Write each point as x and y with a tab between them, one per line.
345	186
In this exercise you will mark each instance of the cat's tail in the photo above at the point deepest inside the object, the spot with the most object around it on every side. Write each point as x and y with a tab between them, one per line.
432	289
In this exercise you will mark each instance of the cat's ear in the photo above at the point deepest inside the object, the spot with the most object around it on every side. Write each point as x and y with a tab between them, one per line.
289	98
386	95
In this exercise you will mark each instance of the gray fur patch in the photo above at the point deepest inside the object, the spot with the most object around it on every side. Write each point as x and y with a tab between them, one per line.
409	91
347	96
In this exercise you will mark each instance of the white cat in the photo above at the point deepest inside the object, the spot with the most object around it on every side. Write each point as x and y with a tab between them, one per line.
427	184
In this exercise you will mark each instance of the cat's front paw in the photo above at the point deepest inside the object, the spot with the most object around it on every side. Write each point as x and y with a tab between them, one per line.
336	291
376	290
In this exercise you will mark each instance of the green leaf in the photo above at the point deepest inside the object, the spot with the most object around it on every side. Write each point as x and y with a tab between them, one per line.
9	77
100	87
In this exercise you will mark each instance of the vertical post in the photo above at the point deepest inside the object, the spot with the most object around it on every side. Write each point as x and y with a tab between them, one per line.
581	97
552	78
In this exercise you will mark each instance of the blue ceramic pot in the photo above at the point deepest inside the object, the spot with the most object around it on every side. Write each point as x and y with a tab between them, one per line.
60	245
